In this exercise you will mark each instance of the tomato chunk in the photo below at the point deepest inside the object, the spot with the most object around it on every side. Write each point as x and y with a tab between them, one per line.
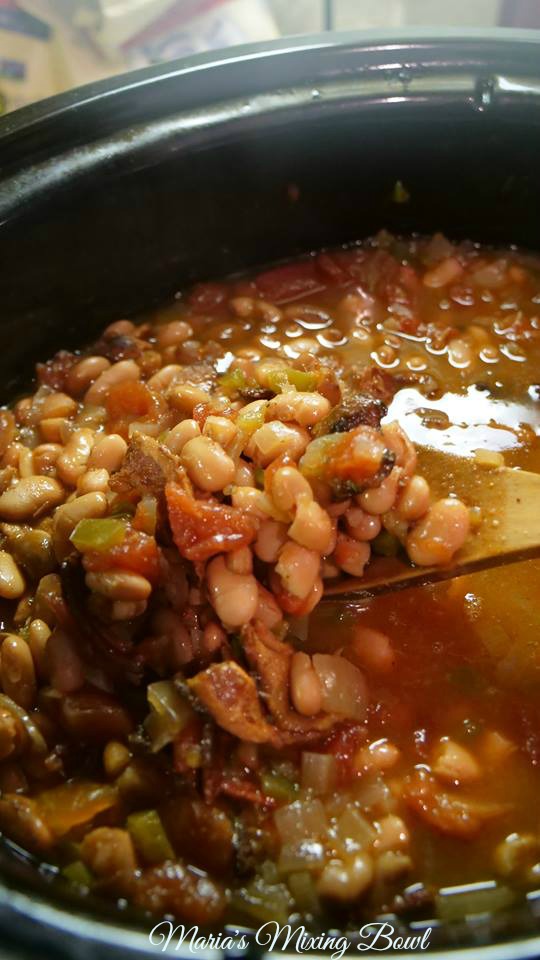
127	402
137	552
202	528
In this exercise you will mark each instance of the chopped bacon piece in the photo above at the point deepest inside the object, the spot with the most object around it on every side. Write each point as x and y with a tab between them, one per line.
137	552
271	660
202	528
230	695
146	468
289	282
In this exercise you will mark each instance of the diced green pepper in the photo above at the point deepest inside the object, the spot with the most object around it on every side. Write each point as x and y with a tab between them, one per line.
385	544
233	381
252	417
301	380
259	477
77	872
302	887
149	837
98	535
277	786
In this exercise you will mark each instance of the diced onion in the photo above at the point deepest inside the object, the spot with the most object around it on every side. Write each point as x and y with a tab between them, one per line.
303	819
305	855
318	772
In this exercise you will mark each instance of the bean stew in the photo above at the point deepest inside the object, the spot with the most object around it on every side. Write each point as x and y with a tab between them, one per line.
183	724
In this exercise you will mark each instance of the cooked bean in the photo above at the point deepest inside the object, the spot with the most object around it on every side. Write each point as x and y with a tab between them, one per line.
119	585
271	537
351	555
91	506
109	852
116	757
444	273
287	487
12	583
312	527
45	456
213	637
255	502
306	693
84	373
53	429
268	610
165	377
12	736
64	666
108	453
220	429
26	463
515	853
372	649
93	481
439	535
173	333
233	596
122	372
265	370
362	525
177	438
30	497
240	561
380	755
454	763
392	833
413	501
17	672
120	328
184	397
58	405
207	464
94	715
244	474
21	819
274	439
127	609
38	635
307	409
73	461
346	880
298	568
399	444
381	499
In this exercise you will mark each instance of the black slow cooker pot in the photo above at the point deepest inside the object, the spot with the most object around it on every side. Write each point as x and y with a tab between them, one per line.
115	195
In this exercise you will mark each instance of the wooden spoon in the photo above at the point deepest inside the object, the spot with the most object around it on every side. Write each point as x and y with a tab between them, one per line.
509	529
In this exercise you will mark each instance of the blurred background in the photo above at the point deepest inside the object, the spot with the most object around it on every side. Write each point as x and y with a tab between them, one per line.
47	46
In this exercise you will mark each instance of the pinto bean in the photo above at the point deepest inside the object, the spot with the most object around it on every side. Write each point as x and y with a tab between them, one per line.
413	501
271	537
207	464
177	438
84	373
58	405
17	672
440	534
381	499
307	409
172	334
312	527
362	525
351	555
233	596
288	487
298	569
306	692
119	585
72	462
108	453
12	584
122	372
64	666
30	497
346	879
